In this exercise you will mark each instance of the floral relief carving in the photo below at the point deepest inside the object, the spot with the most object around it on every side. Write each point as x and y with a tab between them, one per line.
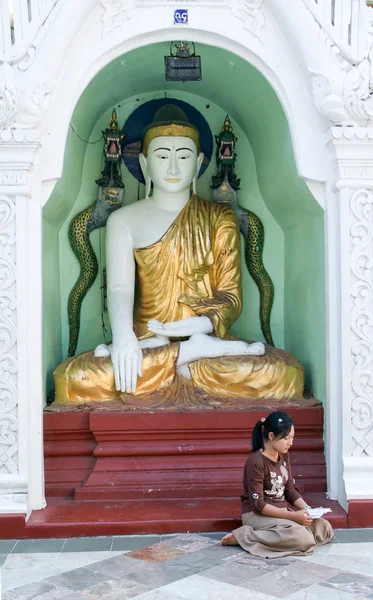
116	12
8	338
361	298
251	12
22	109
358	90
347	96
353	104
35	103
10	97
329	103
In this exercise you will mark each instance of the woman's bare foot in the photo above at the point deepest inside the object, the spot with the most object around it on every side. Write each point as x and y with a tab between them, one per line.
229	540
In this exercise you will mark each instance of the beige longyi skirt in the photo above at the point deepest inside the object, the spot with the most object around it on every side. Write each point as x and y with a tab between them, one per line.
274	538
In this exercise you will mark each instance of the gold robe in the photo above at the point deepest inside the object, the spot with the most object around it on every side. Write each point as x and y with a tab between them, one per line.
194	269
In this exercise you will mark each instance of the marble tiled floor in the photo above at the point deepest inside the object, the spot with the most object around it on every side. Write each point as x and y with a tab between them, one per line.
182	567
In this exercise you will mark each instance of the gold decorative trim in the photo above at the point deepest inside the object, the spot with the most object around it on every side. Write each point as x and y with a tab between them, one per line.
170	130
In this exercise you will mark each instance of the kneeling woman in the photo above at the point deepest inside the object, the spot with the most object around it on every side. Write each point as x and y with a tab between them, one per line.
270	528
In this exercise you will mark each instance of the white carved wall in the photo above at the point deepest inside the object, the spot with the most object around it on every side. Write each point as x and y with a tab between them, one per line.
361	295
8	334
20	443
354	153
327	64
250	12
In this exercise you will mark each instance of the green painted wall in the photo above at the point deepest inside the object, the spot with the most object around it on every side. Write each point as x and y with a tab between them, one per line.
302	221
270	186
55	213
305	299
248	324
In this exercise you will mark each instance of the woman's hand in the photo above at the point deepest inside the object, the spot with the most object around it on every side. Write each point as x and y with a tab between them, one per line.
302	517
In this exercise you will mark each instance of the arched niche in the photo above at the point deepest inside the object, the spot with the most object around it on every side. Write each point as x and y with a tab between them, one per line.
271	187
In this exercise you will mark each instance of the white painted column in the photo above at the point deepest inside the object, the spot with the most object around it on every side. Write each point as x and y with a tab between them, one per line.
21	394
354	161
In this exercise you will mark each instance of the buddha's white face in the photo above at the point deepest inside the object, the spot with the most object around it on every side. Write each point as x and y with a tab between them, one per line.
172	163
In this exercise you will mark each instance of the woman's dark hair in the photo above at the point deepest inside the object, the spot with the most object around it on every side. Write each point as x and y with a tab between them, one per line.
278	422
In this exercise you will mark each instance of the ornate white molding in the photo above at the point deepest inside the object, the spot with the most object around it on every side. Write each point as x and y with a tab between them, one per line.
348	101
22	109
116	12
346	96
354	149
14	177
8	338
251	12
17	154
361	299
327	100
344	133
31	25
19	136
25	60
345	23
10	96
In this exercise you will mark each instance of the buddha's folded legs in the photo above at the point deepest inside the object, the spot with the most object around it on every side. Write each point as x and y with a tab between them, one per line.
87	378
277	374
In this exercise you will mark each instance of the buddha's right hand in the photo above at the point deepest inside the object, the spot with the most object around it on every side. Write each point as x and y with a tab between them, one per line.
126	356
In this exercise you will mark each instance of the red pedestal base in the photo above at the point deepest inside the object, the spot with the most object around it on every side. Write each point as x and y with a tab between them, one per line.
12	526
134	456
117	473
360	513
188	455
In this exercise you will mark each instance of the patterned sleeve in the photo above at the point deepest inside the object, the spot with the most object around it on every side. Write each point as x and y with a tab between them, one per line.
291	494
253	483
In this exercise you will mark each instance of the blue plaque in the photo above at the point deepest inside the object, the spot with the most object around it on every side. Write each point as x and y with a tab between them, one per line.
181	16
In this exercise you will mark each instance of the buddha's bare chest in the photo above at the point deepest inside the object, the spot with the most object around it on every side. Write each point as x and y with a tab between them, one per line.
149	229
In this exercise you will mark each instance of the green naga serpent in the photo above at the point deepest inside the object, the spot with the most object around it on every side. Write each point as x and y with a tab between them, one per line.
110	197
225	185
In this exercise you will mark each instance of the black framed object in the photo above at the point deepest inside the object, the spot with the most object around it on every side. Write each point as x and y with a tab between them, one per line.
182	65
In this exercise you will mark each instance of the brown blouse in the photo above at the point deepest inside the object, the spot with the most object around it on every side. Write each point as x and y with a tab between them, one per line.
267	482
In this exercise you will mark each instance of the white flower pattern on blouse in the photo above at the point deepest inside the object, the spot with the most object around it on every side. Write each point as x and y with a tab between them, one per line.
278	483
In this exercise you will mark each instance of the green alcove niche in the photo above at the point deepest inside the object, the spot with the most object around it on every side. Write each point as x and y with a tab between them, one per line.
270	186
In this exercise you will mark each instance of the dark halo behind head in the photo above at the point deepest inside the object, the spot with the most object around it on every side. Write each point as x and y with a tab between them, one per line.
142	117
280	423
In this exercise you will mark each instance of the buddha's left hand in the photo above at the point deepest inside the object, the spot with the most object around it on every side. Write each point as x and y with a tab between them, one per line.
183	328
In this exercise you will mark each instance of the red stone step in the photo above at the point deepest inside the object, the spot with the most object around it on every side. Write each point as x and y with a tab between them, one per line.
71	518
162	472
99	455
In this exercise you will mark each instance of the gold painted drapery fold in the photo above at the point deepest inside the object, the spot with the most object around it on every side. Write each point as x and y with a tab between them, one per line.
194	269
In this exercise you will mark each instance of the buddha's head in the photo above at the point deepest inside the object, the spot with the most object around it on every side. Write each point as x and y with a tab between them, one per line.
171	156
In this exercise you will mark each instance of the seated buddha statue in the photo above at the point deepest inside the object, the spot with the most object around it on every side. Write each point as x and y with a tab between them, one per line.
182	256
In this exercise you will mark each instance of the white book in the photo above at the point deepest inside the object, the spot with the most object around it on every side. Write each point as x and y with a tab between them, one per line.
316	513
